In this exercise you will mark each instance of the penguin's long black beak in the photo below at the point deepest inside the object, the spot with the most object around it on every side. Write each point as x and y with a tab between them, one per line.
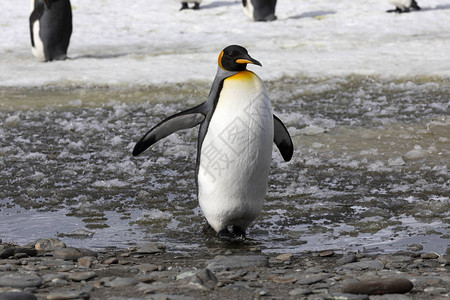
248	60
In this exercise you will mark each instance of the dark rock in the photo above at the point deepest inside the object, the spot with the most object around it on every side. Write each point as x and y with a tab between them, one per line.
17	296
204	279
27	251
15	280
5	253
8	252
379	286
346	259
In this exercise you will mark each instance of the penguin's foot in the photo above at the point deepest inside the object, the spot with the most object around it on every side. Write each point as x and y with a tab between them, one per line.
196	6
238	232
184	5
397	10
237	235
226	235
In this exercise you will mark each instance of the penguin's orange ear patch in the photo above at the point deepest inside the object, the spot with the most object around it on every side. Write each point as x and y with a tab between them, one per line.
220	59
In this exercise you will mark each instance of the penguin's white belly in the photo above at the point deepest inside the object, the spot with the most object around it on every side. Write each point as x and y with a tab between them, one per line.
402	4
249	9
236	153
38	49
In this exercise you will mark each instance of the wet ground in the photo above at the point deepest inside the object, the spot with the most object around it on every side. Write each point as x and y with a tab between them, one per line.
370	167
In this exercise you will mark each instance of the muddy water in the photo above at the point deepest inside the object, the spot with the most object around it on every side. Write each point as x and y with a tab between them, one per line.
370	167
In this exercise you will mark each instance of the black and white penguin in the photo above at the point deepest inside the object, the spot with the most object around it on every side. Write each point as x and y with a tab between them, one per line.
260	10
50	28
402	6
234	151
184	4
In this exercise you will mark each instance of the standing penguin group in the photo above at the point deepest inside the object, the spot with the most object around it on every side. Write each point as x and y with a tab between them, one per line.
234	150
50	28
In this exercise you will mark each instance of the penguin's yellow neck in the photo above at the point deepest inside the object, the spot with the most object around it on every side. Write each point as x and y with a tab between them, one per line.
243	75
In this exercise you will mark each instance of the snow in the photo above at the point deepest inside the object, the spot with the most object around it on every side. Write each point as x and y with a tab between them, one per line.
140	43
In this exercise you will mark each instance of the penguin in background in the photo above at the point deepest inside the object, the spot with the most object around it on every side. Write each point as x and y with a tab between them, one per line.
234	150
184	4
50	28
260	10
402	6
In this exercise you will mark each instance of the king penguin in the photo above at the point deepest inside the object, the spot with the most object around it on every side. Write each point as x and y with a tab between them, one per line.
260	10
234	150
50	28
402	6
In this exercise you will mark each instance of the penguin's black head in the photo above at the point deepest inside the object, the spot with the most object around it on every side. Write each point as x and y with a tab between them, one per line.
235	58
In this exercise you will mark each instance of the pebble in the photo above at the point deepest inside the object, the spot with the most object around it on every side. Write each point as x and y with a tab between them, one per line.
363	265
122	282
15	280
390	297
68	295
429	255
7	268
310	279
17	296
82	276
73	253
50	244
285	257
86	261
326	253
237	261
111	261
300	292
150	248
147	268
346	259
379	286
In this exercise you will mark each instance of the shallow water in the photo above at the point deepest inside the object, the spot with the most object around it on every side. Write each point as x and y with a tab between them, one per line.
369	172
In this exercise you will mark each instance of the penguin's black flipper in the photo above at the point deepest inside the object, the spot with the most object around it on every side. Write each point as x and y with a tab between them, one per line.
282	139
37	13
183	120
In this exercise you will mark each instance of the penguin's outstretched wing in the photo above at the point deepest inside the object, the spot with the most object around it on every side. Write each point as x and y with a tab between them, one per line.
282	139
182	120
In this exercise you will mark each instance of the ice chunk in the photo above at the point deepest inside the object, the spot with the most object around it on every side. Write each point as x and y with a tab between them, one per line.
396	161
